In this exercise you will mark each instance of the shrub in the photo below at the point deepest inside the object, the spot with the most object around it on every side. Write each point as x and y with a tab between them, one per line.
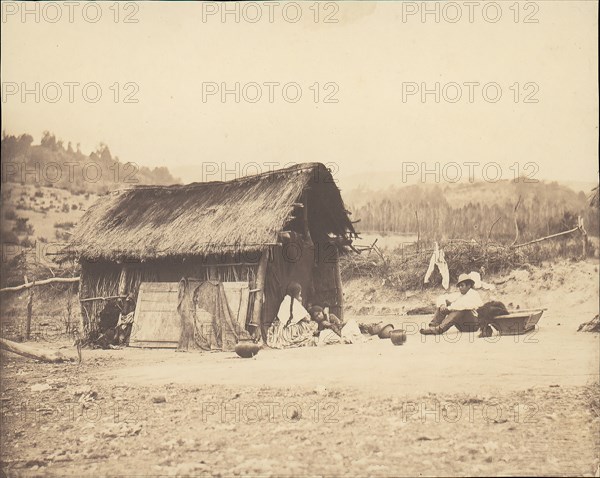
62	236
9	237
27	242
64	225
23	226
10	215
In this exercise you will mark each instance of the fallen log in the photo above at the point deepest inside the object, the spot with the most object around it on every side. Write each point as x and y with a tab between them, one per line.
33	352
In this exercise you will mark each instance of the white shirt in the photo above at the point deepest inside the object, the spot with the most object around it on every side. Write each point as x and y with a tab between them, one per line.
469	301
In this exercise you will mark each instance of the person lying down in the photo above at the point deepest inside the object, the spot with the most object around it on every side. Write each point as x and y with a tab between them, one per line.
332	330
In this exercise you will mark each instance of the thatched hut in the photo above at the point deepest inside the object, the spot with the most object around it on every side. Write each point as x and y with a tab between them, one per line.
264	230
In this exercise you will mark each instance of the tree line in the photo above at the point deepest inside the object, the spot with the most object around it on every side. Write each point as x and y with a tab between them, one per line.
499	213
54	164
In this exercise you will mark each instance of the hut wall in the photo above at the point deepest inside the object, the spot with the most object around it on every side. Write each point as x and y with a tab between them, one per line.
101	279
327	291
311	265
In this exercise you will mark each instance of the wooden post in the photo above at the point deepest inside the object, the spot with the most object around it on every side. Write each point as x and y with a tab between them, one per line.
83	329
29	311
418	230
584	238
338	285
256	319
123	280
69	310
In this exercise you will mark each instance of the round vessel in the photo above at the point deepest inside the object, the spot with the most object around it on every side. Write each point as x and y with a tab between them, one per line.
246	348
398	337
374	329
385	332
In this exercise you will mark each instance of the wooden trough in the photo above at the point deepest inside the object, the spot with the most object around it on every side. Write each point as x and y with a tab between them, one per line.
517	323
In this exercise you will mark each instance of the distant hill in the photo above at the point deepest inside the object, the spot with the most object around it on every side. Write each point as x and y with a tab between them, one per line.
56	165
45	190
377	180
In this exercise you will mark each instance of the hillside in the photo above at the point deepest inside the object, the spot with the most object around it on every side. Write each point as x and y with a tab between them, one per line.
45	190
35	213
393	178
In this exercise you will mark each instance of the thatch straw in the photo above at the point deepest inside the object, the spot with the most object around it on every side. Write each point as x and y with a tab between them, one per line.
200	219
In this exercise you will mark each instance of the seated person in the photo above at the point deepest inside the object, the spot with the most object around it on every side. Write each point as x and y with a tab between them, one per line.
292	327
459	309
332	330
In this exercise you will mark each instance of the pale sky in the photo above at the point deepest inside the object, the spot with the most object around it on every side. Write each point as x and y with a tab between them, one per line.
373	54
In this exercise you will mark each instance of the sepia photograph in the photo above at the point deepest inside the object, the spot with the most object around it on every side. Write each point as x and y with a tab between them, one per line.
299	239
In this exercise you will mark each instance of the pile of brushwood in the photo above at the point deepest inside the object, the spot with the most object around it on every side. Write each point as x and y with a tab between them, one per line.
591	326
405	268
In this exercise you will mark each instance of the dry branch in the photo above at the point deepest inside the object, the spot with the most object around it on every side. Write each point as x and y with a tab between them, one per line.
89	299
547	237
516	223
492	227
27	285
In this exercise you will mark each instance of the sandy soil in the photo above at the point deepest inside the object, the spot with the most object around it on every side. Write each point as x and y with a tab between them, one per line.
449	405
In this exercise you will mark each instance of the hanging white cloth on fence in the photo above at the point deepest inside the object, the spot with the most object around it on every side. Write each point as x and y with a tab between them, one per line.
438	260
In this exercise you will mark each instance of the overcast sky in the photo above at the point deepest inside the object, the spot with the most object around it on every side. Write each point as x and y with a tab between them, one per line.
373	62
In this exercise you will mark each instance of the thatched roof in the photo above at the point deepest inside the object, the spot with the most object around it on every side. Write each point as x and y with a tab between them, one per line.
200	219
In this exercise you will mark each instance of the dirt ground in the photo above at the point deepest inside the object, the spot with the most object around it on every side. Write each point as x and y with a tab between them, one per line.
436	406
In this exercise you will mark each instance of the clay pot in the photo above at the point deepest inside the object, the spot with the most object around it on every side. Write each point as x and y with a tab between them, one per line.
374	329
398	336
246	348
384	333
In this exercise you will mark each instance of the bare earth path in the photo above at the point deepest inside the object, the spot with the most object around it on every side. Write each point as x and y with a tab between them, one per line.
455	405
452	363
370	409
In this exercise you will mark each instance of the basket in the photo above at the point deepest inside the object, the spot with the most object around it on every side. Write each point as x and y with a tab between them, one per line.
516	323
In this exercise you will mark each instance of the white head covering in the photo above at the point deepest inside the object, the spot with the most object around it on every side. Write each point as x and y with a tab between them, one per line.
298	311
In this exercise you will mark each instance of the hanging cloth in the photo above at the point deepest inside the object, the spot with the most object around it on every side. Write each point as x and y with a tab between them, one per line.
438	260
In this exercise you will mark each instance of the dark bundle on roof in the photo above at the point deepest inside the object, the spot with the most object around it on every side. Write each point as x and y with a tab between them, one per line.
595	198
